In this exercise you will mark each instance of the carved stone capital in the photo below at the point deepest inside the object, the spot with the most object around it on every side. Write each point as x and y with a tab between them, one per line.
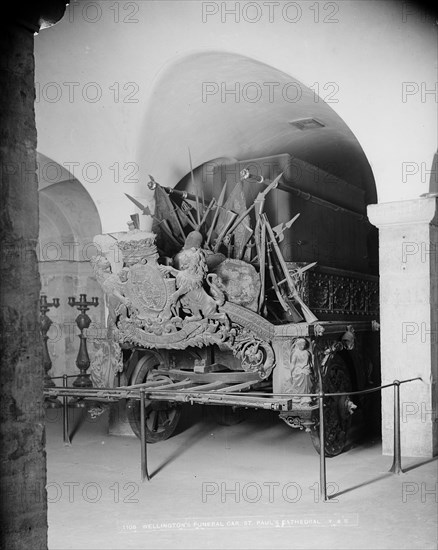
416	211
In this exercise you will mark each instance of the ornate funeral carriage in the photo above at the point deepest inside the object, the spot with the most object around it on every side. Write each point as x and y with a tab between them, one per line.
211	306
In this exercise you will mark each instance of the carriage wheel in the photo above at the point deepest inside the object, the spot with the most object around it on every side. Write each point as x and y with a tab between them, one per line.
161	416
337	417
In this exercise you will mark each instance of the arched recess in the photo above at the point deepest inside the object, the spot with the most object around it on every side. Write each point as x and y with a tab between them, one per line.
222	104
68	221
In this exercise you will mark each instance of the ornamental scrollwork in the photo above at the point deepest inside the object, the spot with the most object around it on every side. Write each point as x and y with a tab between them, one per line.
255	355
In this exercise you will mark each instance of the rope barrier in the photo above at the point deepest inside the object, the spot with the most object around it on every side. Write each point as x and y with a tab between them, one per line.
140	392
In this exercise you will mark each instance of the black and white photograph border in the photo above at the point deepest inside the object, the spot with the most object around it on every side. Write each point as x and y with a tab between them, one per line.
219	274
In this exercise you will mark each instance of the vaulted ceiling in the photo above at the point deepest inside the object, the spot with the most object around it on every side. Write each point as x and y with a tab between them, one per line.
228	105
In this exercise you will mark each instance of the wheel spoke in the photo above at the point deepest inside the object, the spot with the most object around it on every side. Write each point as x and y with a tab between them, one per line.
164	418
154	418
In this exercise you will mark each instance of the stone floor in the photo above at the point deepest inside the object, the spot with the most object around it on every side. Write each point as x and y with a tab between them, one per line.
252	485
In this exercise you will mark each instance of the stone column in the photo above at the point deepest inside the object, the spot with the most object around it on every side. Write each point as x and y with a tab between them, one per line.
408	237
22	456
23	498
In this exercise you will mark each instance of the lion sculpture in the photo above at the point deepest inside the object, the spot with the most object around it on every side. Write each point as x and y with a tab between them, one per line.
190	294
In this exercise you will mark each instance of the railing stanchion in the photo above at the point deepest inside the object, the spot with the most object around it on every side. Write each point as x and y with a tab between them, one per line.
322	468
396	464
65	423
143	443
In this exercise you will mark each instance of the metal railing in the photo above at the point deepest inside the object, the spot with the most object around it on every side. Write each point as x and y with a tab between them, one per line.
396	464
142	393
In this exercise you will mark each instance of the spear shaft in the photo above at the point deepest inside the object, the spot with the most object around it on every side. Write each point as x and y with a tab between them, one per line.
195	187
310	317
220	202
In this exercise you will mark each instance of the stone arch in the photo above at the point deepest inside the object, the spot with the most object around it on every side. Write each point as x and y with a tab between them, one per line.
232	108
222	104
68	221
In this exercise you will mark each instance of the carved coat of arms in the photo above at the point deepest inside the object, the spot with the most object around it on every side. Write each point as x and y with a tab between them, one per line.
154	305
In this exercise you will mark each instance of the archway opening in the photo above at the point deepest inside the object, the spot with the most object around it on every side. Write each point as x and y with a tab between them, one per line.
68	222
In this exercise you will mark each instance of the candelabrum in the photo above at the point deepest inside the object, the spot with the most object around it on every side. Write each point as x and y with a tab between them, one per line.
45	324
83	360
